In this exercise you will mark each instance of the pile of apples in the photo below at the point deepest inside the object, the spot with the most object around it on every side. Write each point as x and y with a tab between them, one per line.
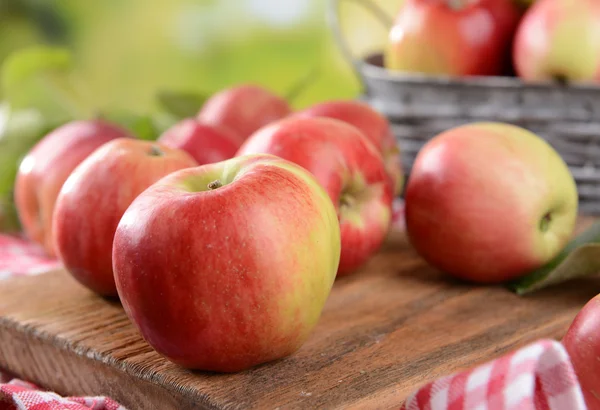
224	237
538	40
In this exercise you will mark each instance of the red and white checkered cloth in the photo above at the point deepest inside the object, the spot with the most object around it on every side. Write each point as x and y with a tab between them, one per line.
20	257
20	395
536	377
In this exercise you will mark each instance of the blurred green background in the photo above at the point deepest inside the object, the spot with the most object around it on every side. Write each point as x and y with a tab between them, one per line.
127	50
148	63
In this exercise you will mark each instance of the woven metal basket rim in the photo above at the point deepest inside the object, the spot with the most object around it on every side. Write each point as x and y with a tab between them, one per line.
368	67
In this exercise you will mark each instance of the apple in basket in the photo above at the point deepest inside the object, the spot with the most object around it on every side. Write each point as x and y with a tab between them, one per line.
206	143
582	342
94	198
46	167
559	40
351	170
452	37
372	124
226	266
489	202
244	109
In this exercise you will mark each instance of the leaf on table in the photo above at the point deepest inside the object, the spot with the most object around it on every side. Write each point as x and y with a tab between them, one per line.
581	257
43	78
181	104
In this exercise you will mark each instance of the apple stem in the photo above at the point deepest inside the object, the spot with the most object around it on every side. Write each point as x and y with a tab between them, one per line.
155	151
545	222
346	200
215	185
561	79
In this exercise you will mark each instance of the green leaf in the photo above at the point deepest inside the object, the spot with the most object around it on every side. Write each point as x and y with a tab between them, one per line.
21	66
20	130
9	219
42	78
144	128
163	121
18	134
141	125
581	257
181	104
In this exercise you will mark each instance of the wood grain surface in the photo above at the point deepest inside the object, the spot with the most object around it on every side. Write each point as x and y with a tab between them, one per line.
385	331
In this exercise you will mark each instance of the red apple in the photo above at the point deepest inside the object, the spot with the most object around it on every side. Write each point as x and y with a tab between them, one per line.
582	342
559	39
226	266
206	143
452	37
374	125
350	169
489	202
244	109
95	197
46	167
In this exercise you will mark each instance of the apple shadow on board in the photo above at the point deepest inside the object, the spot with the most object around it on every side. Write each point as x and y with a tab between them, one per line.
415	269
411	267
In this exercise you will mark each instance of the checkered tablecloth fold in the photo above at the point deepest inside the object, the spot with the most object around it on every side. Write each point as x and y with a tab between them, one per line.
536	377
20	395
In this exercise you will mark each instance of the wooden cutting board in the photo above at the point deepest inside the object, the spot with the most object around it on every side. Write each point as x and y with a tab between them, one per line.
385	331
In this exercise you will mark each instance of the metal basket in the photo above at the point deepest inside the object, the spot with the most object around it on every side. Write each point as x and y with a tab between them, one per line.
420	107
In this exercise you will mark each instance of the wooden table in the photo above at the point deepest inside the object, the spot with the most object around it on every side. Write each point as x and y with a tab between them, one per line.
385	331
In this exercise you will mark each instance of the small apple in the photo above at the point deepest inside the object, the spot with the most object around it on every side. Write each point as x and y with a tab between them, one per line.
95	197
244	109
559	40
582	342
206	143
452	37
350	169
372	124
226	266
46	167
489	202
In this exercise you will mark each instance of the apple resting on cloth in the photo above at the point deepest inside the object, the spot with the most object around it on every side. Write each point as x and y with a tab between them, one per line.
244	109
372	124
206	143
559	40
452	37
47	166
226	266
95	197
351	170
489	202
582	342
